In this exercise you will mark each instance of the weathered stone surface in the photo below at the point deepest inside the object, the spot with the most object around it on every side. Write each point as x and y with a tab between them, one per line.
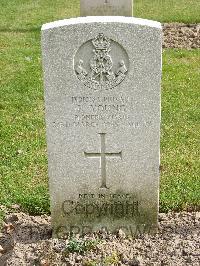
102	96
106	8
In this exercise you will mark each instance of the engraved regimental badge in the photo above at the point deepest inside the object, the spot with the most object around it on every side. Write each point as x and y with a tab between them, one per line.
101	63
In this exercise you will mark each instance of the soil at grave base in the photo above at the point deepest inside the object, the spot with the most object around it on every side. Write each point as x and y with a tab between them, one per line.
26	240
179	35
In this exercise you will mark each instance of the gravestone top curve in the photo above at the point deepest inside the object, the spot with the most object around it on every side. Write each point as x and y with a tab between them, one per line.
101	19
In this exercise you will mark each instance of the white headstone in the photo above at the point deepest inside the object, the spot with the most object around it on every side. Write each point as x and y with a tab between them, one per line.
106	8
102	95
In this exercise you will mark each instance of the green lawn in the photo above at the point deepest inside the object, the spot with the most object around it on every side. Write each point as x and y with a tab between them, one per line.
23	161
180	146
29	15
187	11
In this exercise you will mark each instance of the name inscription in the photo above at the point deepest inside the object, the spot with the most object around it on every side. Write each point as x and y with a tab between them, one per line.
104	111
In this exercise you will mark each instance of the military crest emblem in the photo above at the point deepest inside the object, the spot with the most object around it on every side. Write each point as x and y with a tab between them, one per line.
101	63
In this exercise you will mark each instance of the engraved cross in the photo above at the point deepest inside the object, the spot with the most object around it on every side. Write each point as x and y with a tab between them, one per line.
102	155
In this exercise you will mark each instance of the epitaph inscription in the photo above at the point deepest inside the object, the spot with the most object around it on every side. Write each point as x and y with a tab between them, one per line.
101	63
102	155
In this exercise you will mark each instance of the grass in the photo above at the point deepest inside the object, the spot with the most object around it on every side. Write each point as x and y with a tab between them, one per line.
187	11
180	186
23	160
29	15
